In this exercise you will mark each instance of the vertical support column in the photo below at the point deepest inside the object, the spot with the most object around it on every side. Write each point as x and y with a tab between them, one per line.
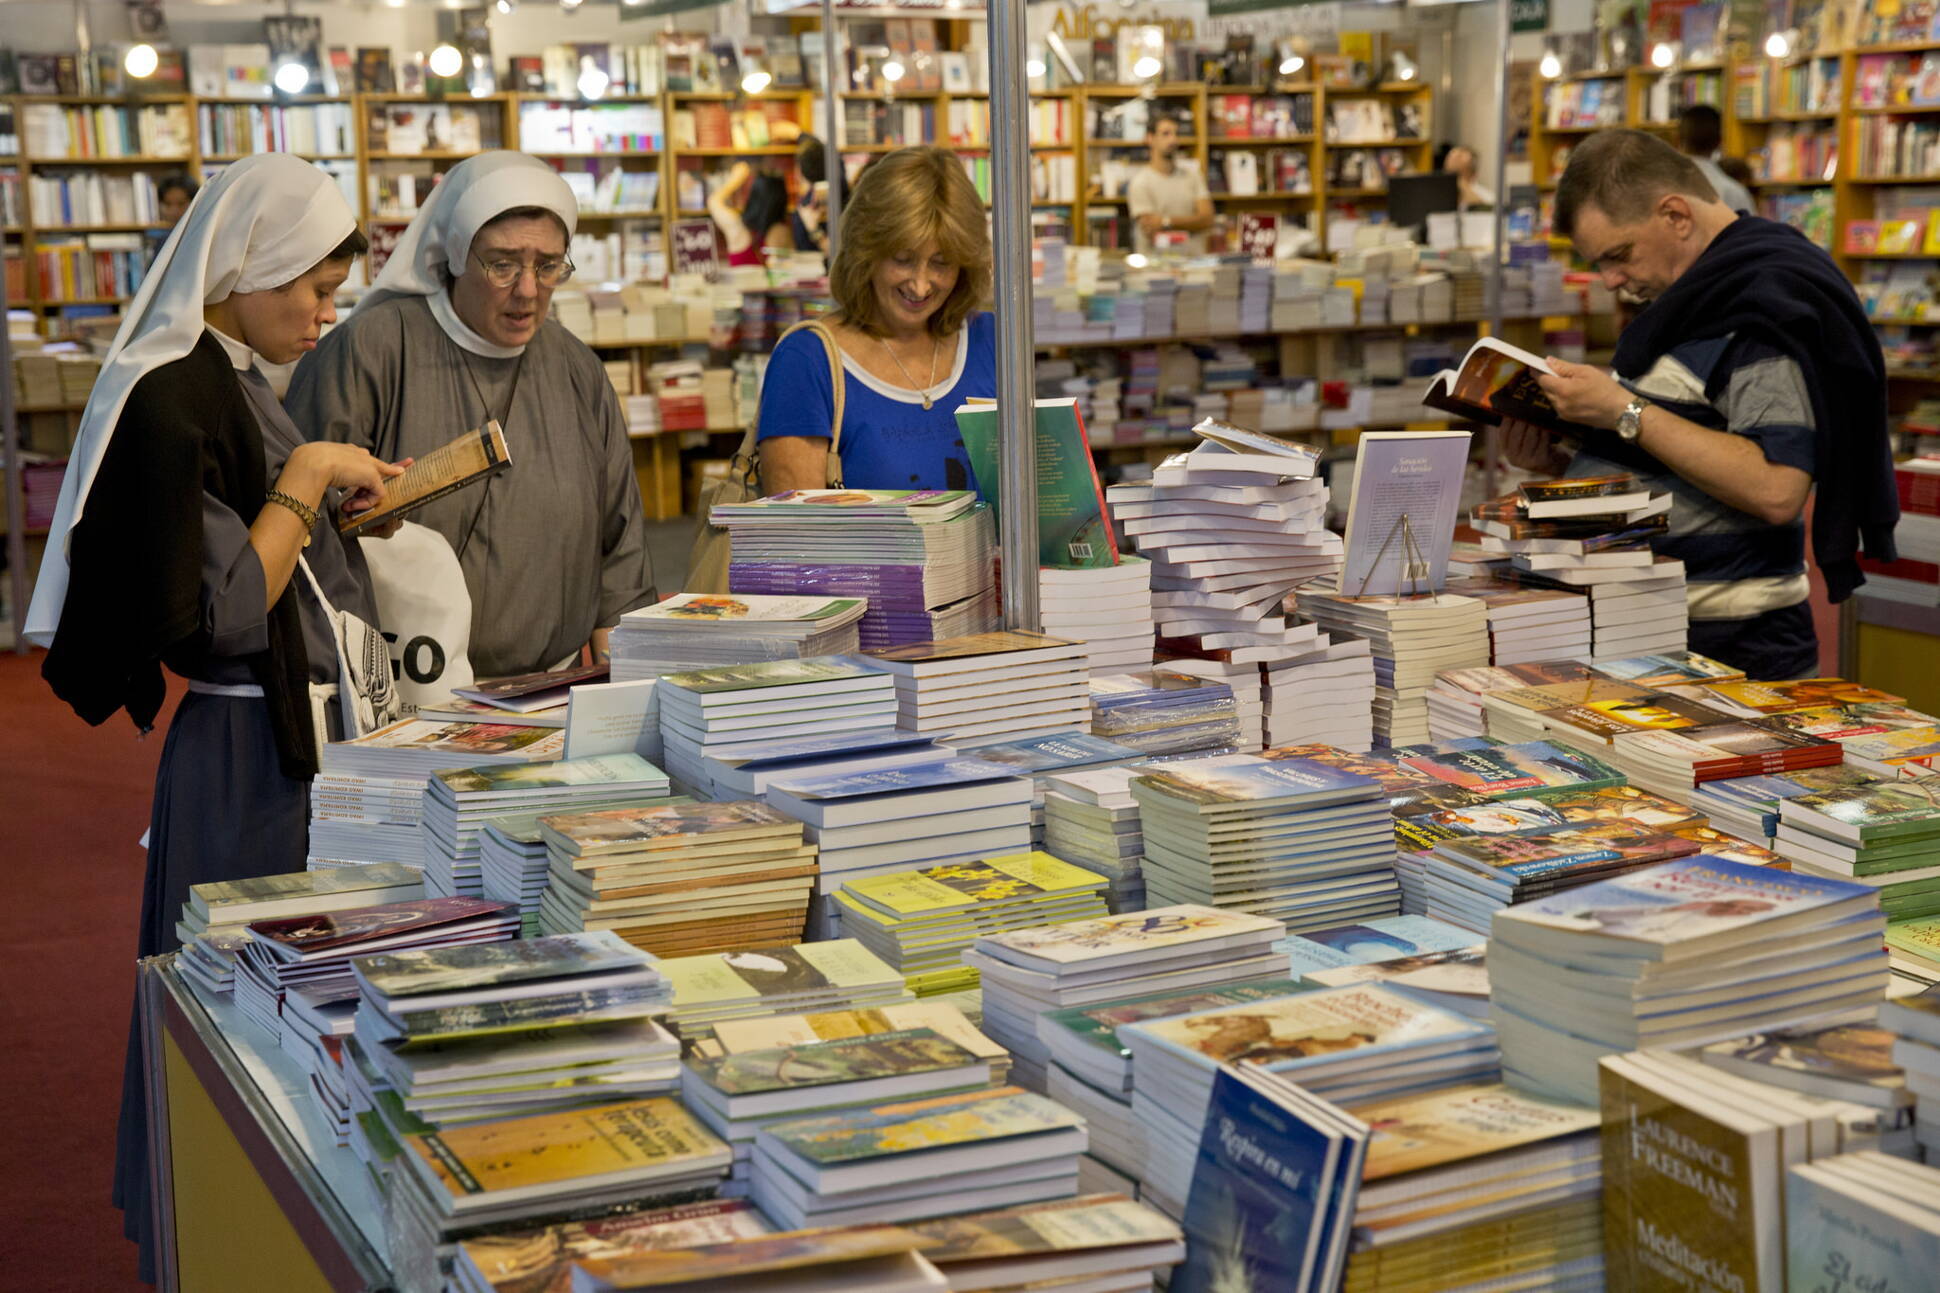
1010	193
1491	438
17	590
832	86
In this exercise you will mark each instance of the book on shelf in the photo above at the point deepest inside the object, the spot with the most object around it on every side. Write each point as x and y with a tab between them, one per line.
472	457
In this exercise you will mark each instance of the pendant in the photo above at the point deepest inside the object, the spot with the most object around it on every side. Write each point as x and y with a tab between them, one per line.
926	401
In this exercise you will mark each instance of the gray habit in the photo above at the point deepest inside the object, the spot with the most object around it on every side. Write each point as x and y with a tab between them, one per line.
552	548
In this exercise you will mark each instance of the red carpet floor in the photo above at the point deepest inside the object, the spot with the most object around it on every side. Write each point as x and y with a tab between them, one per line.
73	803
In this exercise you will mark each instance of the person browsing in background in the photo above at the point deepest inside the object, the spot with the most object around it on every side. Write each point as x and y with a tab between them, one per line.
1167	197
197	530
172	198
909	280
1459	161
455	332
809	220
1700	136
760	222
1750	377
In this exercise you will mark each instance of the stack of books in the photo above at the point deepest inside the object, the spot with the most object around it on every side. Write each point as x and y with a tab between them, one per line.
921	558
949	810
1885	835
738	711
736	1093
520	1260
458	802
213	928
804	979
1519	713
1675	1130
1248	686
1096	1241
1685	954
1307	844
1748	806
1091	818
1641	616
1389	938
1845	1061
733	1036
366	802
1347	1045
746	775
1873	1215
996	1147
1091	1070
1162	711
990	688
1914	1022
705	630
1468	880
1323	695
1042	757
1108	608
1668	669
1529	625
1412	639
920	921
1450	1196
464	1182
1230	529
1027	972
1456	707
679	878
503	1030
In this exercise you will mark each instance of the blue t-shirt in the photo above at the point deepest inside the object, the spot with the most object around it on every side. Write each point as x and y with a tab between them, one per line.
889	440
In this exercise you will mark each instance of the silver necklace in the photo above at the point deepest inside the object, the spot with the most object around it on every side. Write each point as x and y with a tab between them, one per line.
924	390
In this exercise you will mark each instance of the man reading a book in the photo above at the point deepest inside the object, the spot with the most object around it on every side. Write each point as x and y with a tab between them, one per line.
455	331
1750	378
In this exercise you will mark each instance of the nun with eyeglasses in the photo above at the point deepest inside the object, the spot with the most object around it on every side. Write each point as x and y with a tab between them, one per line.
454	332
197	531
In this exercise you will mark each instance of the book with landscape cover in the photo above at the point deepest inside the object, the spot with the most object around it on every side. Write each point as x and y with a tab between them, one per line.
1864	814
769	673
1557	854
1309	1029
1306	782
1535	769
1845	1061
483	965
939	1017
966	1118
962	886
324	931
803	1065
1385	938
1678	668
507	778
1496	380
1097	1026
774	972
1432	1129
1077	942
713	608
541	1261
836	1251
470	458
662	826
1799	693
1089	1221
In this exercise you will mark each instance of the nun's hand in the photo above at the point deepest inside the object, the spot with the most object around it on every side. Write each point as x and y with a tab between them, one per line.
323	465
384	530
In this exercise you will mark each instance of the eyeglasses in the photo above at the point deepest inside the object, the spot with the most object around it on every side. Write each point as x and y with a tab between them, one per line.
504	273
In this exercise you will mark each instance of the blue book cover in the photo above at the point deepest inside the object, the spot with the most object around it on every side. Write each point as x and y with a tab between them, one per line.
1297	782
1385	938
1455	746
821	747
1680	902
924	776
1272	1184
1038	754
1532	769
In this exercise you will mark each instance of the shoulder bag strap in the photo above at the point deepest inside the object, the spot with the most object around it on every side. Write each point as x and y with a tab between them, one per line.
838	387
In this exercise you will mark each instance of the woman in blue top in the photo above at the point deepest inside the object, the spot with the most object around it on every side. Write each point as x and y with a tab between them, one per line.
911	271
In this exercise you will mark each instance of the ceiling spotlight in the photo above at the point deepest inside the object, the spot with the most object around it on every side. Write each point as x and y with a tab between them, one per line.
593	80
1551	67
1034	68
1662	55
1147	67
444	61
892	71
1777	46
567	6
141	61
394	4
1291	63
292	77
505	7
759	79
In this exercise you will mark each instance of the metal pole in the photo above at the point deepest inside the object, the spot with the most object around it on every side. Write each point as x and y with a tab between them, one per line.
1010	194
1491	439
831	144
16	508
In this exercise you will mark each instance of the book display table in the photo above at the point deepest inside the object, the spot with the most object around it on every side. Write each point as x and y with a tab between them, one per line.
250	1183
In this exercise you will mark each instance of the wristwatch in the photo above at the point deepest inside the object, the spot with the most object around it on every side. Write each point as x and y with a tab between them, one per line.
1630	421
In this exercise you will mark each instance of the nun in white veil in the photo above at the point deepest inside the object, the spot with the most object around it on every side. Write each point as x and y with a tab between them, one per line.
456	331
188	503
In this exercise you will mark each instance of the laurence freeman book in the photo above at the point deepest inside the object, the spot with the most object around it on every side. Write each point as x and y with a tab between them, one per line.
1496	380
1273	1189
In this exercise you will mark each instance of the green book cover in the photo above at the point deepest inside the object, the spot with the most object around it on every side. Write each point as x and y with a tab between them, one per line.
602	770
1097	1026
824	1063
482	965
1073	529
1883	810
302	884
945	1122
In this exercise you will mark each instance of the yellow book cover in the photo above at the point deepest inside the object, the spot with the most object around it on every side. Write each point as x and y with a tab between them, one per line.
736	1035
638	1136
966	885
739	976
541	1261
1435	1128
1689	1201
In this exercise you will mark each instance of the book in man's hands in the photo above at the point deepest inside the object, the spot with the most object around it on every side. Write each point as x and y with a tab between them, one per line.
1496	380
472	457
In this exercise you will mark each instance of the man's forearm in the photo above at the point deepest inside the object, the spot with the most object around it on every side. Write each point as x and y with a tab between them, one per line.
1730	468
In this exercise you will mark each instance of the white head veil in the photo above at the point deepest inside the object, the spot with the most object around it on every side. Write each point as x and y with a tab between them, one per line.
439	242
264	221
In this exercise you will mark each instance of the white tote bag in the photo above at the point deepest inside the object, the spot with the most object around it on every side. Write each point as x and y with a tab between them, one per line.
426	611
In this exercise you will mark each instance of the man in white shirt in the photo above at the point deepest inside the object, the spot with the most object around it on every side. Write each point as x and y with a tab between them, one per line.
1700	134
1167	197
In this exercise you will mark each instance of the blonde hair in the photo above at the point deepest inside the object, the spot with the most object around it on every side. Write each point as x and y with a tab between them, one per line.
908	198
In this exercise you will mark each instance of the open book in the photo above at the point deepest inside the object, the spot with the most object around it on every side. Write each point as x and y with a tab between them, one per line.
472	457
1495	381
